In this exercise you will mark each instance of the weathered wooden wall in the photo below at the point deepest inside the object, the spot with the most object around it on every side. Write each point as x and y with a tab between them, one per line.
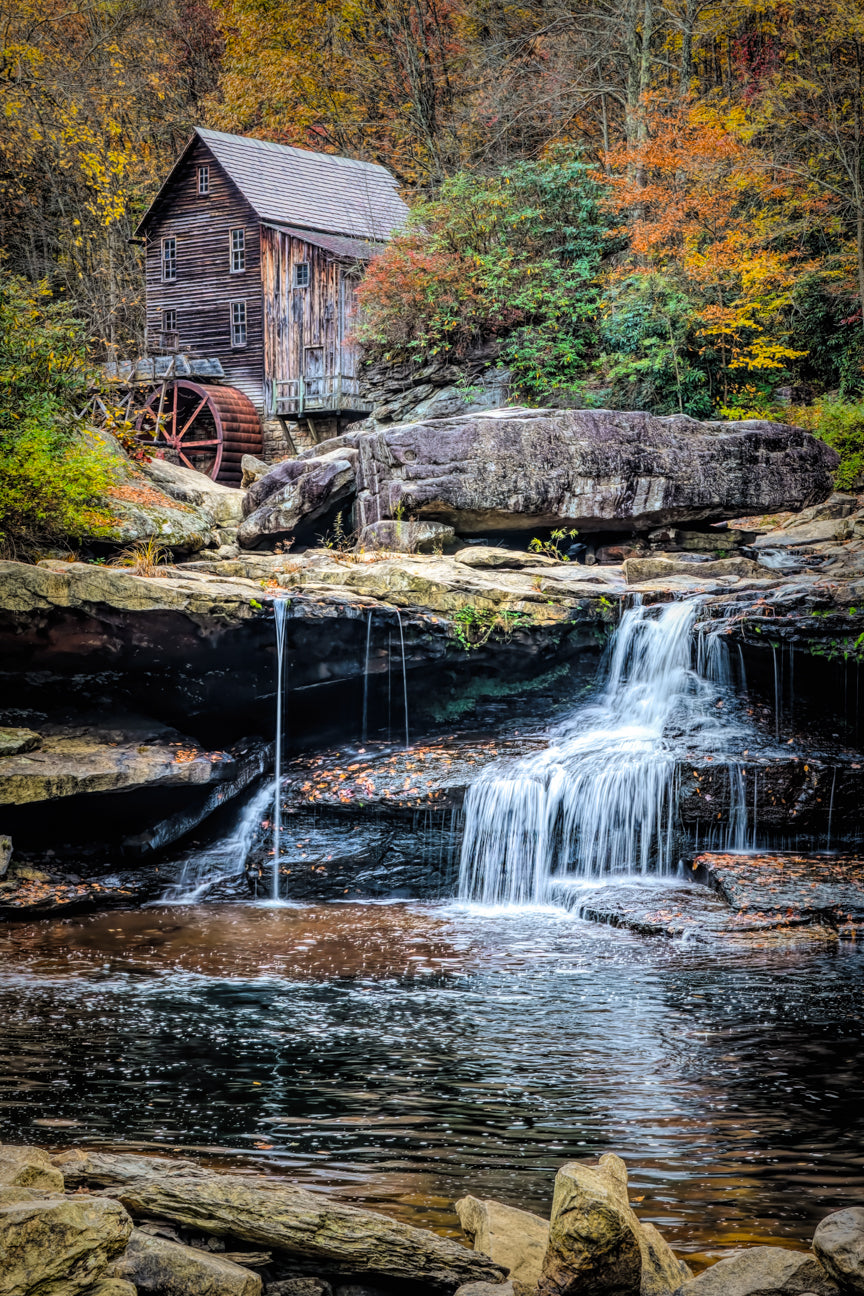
307	331
205	287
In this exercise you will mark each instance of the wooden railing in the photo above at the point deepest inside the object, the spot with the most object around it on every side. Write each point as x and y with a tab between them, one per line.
333	392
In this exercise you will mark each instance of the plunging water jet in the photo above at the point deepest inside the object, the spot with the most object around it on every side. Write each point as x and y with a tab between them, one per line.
602	798
404	677
280	612
365	728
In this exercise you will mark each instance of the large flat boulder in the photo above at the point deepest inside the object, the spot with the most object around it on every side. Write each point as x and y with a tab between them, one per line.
591	469
345	1239
58	1246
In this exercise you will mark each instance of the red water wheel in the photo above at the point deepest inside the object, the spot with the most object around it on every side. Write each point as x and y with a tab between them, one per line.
201	426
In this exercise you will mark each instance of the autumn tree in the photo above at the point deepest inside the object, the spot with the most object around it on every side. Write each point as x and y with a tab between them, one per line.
714	256
97	96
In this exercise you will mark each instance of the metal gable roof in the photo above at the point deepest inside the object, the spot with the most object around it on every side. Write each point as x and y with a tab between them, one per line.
314	191
345	248
317	191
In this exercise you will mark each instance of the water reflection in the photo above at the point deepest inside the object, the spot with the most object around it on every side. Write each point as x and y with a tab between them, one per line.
407	1053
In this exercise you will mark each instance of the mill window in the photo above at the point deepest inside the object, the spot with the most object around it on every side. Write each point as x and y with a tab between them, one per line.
301	275
238	324
238	250
169	260
169	321
203	181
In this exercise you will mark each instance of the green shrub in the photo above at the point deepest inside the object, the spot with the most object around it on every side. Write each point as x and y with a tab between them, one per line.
841	425
50	477
514	257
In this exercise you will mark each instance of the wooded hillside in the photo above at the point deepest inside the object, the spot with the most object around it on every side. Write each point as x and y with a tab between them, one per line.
656	202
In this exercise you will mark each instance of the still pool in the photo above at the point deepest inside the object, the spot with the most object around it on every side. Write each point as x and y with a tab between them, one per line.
403	1054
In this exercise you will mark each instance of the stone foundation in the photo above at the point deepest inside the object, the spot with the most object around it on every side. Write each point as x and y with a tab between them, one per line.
285	438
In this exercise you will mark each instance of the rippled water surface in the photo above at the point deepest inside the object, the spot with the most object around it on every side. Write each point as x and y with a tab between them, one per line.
407	1053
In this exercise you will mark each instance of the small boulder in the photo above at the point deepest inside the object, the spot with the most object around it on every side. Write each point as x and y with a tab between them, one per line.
593	1238
164	1268
252	468
28	1167
15	741
112	1287
513	1238
59	1246
839	1244
5	853
299	1287
312	487
637	570
763	1271
492	558
397	536
486	1289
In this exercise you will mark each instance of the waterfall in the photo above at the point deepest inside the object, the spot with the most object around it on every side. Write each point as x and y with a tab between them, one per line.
280	612
602	798
365	729
404	677
223	860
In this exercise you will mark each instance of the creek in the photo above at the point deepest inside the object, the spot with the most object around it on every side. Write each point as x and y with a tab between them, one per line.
402	1053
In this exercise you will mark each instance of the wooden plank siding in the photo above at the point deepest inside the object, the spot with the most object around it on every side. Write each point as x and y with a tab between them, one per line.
307	330
205	287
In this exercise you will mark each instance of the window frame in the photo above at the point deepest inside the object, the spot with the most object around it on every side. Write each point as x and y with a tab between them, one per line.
204	180
237	252
169	319
169	261
307	279
236	323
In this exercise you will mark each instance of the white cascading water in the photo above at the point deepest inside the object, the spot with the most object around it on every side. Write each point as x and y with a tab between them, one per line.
223	860
602	797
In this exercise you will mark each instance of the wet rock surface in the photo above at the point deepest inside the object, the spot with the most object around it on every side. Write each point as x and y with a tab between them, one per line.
131	785
696	914
798	888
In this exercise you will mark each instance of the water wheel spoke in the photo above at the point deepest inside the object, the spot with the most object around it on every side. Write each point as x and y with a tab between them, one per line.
182	456
194	445
192	418
173	438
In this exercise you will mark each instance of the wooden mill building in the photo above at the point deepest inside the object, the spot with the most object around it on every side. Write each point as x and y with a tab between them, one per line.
254	252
